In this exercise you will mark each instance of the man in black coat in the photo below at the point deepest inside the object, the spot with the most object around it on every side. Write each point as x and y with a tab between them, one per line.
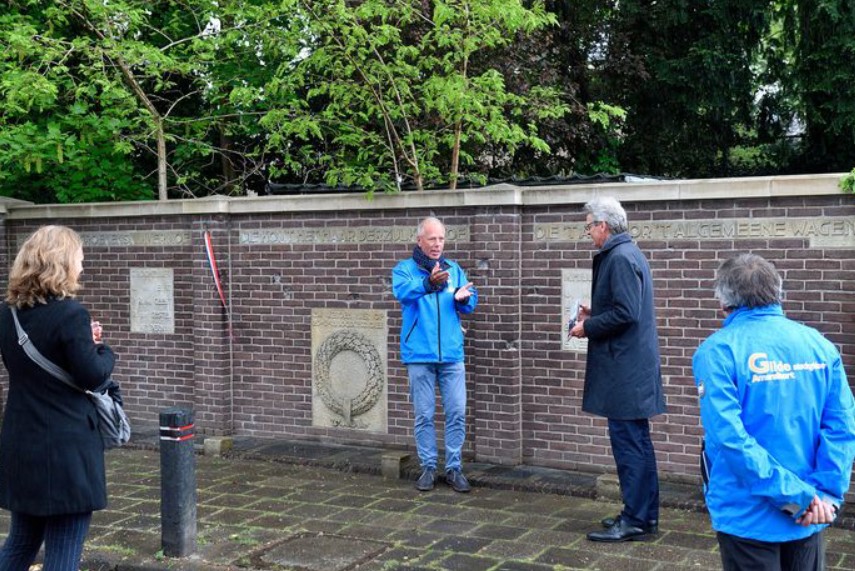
622	377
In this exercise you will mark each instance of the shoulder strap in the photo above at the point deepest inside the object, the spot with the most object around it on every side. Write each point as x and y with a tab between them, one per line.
39	359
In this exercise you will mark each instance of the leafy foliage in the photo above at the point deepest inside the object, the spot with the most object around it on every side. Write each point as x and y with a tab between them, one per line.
132	99
389	93
693	102
58	118
847	183
821	36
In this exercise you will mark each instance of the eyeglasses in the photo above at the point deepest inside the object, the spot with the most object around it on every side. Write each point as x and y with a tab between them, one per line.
590	225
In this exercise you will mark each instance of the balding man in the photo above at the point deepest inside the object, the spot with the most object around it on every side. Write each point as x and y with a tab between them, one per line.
433	292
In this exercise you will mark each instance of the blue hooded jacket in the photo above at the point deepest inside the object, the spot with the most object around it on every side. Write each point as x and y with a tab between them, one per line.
431	330
779	424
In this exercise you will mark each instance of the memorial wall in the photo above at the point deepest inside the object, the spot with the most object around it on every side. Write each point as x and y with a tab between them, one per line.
274	317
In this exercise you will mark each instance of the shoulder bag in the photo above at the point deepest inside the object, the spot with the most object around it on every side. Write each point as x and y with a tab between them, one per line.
112	421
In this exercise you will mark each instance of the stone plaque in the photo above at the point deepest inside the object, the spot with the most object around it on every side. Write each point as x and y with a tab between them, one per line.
575	288
345	235
152	300
349	383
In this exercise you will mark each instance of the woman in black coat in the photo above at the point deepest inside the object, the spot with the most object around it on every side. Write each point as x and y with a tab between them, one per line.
52	474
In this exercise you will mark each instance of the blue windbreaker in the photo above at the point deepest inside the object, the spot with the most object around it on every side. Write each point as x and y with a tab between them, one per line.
779	424
431	330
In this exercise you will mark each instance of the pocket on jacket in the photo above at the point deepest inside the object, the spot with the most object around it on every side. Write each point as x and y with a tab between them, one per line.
410	332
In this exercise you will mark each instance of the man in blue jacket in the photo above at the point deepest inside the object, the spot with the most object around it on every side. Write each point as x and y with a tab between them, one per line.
779	425
622	375
433	292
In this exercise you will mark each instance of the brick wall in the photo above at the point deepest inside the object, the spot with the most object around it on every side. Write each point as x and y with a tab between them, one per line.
524	390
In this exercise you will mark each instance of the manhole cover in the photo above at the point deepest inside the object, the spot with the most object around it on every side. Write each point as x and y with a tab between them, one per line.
323	552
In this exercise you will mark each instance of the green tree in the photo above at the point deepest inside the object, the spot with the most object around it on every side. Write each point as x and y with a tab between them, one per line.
820	34
58	119
695	102
388	94
123	97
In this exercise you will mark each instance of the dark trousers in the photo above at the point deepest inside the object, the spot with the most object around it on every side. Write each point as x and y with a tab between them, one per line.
738	554
63	536
636	466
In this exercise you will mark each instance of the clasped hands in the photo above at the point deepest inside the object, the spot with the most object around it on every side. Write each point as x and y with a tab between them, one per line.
819	511
439	277
578	328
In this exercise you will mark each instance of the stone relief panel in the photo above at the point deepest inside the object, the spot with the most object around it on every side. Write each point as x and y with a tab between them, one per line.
575	289
152	300
349	364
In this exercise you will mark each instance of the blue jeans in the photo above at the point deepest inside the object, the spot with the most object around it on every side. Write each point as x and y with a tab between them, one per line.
63	536
451	380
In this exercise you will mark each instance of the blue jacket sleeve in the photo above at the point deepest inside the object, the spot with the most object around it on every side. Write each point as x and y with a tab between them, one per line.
836	450
721	416
406	286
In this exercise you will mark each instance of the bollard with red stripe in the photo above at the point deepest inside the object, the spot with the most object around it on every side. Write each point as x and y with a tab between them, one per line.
177	482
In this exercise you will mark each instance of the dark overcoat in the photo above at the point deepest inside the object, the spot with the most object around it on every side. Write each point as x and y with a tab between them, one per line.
622	378
51	453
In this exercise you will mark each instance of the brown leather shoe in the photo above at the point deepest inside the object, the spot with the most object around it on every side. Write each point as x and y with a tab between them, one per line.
620	531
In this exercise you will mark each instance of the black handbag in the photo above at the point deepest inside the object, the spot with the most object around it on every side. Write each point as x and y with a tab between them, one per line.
113	423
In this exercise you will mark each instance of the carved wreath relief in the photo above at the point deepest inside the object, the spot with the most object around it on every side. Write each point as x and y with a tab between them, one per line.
349	386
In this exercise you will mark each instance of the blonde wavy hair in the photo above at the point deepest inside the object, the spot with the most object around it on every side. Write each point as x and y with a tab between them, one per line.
46	266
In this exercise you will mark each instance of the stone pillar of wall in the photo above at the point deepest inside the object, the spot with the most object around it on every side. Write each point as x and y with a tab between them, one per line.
212	335
493	350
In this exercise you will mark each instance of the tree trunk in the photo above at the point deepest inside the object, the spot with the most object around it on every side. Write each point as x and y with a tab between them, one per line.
161	160
455	158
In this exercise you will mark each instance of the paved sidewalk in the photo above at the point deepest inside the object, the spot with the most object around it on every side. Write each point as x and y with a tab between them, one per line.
256	513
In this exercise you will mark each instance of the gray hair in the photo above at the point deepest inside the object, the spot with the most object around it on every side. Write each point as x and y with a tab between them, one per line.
607	209
420	231
747	280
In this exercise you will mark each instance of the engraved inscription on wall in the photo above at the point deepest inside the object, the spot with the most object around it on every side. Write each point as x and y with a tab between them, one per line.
152	300
575	288
830	232
344	235
139	238
349	360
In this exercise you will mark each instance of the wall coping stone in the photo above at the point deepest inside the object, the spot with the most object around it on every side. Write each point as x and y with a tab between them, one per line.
503	194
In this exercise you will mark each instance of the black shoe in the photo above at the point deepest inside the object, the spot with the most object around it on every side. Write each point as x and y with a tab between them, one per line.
620	531
651	527
457	481
426	480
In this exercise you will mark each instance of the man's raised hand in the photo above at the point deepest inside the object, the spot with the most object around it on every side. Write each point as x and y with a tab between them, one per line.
463	293
438	276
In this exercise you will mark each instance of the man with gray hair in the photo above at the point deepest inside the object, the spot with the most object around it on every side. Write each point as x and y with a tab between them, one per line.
779	425
622	375
433	292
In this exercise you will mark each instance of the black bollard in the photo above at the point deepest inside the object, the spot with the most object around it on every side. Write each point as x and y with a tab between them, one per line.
177	482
